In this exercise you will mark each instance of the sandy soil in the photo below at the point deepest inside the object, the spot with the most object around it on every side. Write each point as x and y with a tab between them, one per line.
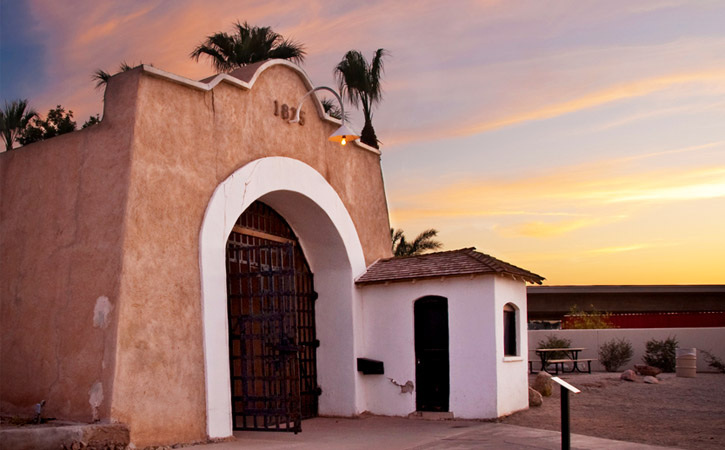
677	412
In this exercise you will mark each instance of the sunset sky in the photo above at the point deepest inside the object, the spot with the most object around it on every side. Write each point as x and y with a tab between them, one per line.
582	140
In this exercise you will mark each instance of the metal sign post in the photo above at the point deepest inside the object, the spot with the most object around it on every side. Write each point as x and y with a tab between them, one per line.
565	432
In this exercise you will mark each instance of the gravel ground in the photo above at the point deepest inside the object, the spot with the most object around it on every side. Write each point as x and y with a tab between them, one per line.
678	412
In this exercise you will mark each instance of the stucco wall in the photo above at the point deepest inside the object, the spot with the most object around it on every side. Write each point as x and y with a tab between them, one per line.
710	339
512	371
62	206
115	211
475	316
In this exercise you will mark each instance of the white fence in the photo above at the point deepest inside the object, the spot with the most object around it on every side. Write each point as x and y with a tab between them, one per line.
710	339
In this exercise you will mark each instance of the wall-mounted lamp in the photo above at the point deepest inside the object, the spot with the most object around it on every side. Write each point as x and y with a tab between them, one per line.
343	135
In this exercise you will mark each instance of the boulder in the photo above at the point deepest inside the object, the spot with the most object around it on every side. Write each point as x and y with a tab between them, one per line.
650	380
543	384
535	398
628	375
646	370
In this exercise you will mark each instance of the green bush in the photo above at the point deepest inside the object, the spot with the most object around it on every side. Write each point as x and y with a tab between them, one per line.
615	353
661	354
554	341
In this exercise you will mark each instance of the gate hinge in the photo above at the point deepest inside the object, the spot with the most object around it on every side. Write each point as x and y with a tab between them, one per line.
314	295
317	391
316	343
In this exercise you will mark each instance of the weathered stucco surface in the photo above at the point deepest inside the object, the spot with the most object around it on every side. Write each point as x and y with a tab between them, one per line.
115	211
62	206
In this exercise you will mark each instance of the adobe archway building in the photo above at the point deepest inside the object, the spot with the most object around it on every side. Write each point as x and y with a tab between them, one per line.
117	280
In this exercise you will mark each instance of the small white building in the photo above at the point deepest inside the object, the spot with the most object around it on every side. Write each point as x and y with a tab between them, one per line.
451	324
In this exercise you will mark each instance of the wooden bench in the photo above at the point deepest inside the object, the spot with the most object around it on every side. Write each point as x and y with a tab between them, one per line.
574	362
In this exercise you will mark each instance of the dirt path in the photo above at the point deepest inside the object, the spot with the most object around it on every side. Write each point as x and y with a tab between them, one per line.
677	412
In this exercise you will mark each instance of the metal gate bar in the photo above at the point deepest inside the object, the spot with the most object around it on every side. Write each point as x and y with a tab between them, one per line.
272	337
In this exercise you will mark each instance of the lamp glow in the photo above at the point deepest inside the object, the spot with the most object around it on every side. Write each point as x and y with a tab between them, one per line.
343	135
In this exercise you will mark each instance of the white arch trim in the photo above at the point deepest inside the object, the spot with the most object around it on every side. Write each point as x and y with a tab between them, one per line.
274	178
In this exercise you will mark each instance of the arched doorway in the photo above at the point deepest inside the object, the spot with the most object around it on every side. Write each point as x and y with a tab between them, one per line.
332	248
272	333
431	353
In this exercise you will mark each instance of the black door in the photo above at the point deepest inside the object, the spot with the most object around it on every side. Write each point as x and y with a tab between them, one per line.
431	353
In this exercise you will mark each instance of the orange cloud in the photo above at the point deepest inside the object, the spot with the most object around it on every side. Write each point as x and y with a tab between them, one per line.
620	249
632	89
539	229
104	29
582	196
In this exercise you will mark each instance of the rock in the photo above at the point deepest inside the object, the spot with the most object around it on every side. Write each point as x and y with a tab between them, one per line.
543	384
628	375
650	380
646	370
535	398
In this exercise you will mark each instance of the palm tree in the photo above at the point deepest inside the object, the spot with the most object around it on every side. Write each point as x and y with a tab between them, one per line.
247	45
360	83
423	242
14	118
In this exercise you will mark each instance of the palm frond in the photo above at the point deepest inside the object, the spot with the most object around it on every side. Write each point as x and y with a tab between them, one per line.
101	77
246	45
14	118
375	75
422	243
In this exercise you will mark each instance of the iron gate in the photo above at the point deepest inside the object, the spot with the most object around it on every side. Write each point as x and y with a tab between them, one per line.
271	305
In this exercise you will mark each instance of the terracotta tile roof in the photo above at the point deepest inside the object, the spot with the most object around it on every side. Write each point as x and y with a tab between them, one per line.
466	261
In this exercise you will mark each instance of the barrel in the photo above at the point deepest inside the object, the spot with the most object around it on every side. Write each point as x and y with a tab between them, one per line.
686	364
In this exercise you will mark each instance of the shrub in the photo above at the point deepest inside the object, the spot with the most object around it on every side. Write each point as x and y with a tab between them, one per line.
615	353
713	361
661	354
554	341
587	320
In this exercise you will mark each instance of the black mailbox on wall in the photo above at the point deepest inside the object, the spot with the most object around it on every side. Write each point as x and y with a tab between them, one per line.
370	366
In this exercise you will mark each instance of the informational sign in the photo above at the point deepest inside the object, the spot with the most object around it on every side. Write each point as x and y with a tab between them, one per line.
566	385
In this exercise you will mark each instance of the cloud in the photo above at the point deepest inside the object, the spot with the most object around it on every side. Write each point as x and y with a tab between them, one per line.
633	89
678	110
620	249
563	201
659	186
538	229
106	28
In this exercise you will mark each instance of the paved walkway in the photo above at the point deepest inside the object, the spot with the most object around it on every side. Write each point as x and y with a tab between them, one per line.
383	433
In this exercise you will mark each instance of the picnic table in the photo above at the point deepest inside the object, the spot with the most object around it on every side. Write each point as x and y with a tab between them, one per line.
571	356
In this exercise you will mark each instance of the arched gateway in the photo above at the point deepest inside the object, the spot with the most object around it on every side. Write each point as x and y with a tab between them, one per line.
311	208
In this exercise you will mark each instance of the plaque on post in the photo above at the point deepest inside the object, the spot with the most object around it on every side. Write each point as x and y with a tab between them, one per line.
565	431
